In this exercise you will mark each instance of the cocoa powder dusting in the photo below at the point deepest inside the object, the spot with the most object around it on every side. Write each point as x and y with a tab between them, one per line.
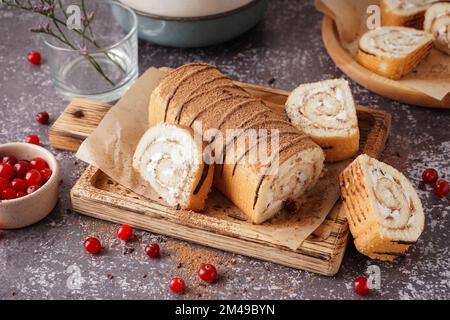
104	231
187	260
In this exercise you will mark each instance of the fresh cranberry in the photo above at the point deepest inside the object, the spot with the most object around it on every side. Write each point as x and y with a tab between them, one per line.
9	159
6	171
207	272
430	176
21	168
360	286
441	188
8	194
33	177
33	139
152	250
124	232
42	117
32	188
92	245
4	184
177	285
34	57
38	164
46	173
19	185
20	194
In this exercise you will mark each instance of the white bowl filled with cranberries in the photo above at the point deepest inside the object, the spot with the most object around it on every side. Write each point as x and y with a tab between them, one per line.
29	181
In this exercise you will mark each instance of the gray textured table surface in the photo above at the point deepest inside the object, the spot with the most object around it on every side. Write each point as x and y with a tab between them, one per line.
40	261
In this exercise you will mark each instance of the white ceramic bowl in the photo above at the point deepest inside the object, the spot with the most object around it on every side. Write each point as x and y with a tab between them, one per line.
22	212
185	8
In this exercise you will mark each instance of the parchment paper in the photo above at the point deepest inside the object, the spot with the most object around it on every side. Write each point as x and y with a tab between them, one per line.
111	147
431	77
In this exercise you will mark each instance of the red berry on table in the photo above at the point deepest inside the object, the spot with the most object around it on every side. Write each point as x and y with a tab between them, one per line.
33	177
32	188
6	171
38	164
8	194
42	117
21	194
152	250
124	232
21	168
92	245
207	272
177	285
32	138
4	184
46	173
19	185
34	57
10	159
441	188
430	176
360	286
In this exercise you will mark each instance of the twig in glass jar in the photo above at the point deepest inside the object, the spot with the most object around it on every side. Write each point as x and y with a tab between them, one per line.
47	8
46	29
87	18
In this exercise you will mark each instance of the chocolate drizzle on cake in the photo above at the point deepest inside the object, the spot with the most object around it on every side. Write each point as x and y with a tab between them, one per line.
185	78
202	178
258	187
232	110
201	93
296	140
199	113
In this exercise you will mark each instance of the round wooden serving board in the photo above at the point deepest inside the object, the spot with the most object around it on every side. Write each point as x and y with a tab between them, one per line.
383	86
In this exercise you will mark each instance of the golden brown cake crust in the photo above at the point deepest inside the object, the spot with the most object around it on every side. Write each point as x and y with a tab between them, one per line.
393	67
389	18
371	237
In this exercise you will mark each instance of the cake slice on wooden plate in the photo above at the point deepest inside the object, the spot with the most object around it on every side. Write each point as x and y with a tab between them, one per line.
407	13
437	22
393	52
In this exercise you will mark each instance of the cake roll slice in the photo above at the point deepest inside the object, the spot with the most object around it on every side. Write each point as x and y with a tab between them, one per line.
437	22
384	212
405	13
171	161
326	112
393	52
287	162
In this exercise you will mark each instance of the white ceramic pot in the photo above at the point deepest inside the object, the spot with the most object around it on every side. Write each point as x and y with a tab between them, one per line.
185	8
22	212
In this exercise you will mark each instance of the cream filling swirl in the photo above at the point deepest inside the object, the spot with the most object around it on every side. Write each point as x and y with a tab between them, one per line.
290	181
395	41
326	108
393	203
168	161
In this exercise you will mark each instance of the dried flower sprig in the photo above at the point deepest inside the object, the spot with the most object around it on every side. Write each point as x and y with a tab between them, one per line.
54	28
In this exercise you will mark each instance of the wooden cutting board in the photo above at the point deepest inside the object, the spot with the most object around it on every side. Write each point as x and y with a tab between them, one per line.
222	226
